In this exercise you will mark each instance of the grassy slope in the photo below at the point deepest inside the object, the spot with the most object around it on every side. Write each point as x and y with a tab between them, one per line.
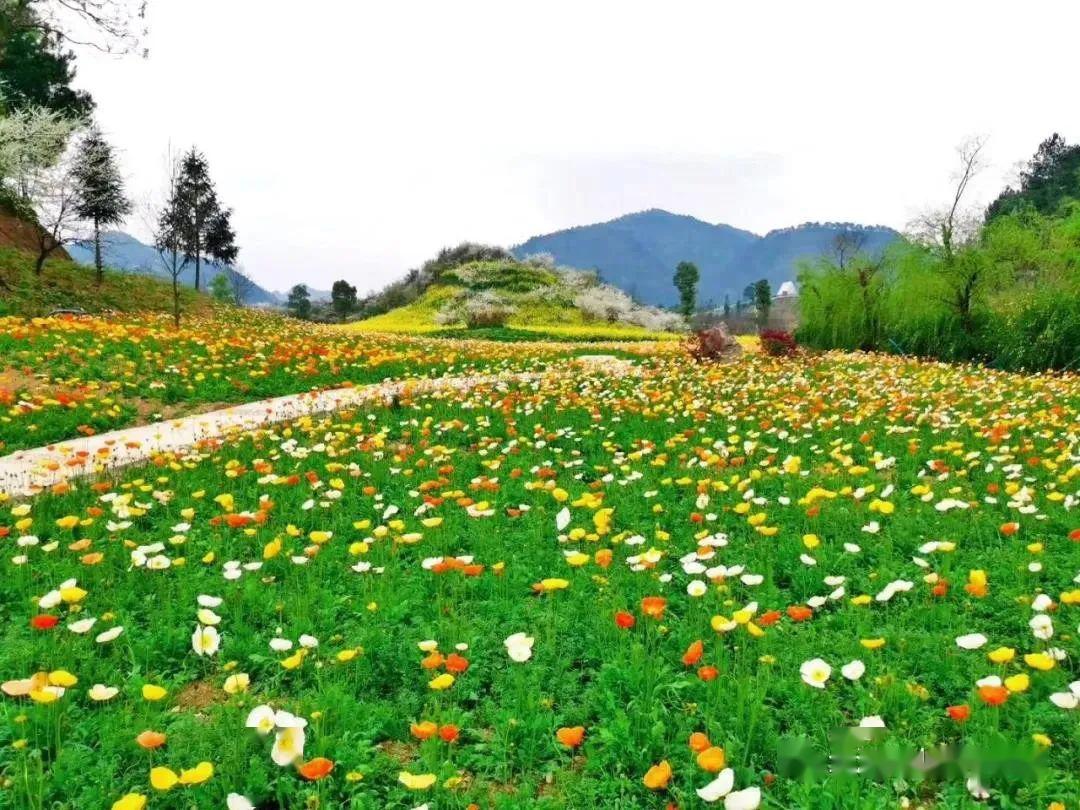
64	284
544	317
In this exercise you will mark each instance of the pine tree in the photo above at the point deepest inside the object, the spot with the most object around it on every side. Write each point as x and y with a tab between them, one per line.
207	233
99	188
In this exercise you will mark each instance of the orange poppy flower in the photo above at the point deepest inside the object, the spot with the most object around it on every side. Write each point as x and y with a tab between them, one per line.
433	661
571	736
693	653
150	739
712	759
708	673
658	776
423	731
625	620
698	742
799	613
653	607
993	695
316	769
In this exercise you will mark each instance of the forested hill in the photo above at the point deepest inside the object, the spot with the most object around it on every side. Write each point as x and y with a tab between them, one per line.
639	252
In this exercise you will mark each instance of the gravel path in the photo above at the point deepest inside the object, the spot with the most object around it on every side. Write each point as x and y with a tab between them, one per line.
29	472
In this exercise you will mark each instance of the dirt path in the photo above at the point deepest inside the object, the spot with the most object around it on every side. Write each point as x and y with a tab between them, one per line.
28	472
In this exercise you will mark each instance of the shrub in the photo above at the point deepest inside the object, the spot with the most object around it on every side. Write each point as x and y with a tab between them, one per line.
485	311
711	344
778	343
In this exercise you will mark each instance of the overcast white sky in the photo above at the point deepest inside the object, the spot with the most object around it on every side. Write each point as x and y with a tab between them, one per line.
355	138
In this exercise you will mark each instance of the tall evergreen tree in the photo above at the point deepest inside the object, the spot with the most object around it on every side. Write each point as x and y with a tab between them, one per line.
207	233
686	281
36	72
762	301
99	188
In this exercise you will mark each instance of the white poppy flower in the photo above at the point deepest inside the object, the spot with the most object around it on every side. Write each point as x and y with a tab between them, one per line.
109	635
696	588
719	787
519	647
205	640
971	641
288	745
853	670
261	718
815	673
748	799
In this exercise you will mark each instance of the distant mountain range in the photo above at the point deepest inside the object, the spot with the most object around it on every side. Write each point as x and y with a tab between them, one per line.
122	251
639	252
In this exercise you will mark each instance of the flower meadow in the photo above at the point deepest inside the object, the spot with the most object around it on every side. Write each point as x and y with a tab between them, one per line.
770	583
61	378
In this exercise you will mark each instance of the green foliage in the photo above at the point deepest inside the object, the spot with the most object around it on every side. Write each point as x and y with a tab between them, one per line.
686	282
1010	298
762	301
65	285
36	72
299	302
343	298
221	289
1050	179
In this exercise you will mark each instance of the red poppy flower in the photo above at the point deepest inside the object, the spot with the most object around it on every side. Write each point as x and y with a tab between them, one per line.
44	622
769	619
625	620
456	664
448	733
959	713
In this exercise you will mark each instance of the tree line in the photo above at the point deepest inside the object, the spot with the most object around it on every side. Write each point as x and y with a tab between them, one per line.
57	168
999	286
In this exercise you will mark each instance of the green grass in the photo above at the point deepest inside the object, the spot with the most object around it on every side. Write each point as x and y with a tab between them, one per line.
681	453
66	285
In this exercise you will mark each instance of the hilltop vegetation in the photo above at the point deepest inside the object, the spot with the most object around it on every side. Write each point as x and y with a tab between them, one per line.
477	287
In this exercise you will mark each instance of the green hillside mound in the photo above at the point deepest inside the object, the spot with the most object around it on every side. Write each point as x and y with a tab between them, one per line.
66	285
518	298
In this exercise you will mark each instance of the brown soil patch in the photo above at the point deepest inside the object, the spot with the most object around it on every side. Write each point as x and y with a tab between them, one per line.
14	380
401	752
199	695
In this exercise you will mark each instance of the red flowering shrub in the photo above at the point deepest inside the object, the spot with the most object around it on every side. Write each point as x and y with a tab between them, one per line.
778	343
